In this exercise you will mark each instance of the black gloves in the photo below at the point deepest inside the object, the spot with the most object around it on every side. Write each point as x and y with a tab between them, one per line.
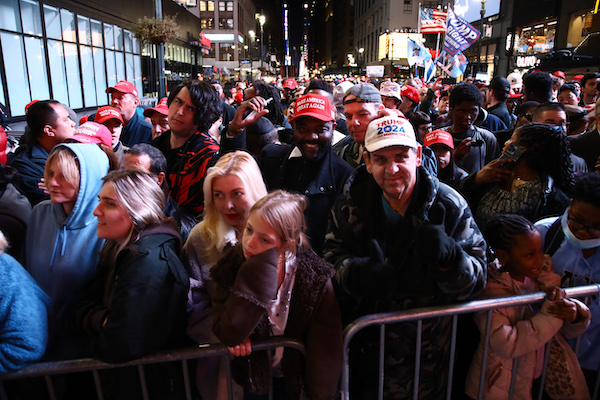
256	279
435	247
372	275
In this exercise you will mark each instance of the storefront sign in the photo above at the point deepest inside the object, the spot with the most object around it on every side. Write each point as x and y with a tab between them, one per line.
527	61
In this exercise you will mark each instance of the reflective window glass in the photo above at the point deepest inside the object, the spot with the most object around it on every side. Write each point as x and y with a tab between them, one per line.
118	38
83	25
128	40
129	66
17	81
68	25
87	72
137	81
52	20
38	76
73	79
9	15
111	71
101	96
120	63
96	32
32	20
58	75
109	38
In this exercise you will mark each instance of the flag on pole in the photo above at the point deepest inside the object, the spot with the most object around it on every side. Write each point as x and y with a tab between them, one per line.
429	71
459	33
432	21
417	52
454	65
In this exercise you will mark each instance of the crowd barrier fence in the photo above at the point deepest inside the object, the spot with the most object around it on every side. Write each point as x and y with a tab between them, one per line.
49	369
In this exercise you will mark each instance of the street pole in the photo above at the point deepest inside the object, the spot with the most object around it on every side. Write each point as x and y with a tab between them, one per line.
481	13
261	20
160	56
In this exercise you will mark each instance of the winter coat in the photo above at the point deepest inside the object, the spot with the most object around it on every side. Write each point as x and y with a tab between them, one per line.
321	181
358	217
137	306
23	317
516	332
313	319
62	251
136	131
30	162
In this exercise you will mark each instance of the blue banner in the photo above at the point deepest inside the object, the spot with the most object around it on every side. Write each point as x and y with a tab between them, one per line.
459	34
454	65
417	52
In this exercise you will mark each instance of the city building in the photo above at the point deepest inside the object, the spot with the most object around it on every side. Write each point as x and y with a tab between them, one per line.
72	51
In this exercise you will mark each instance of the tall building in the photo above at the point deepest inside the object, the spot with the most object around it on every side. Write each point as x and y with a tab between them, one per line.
72	51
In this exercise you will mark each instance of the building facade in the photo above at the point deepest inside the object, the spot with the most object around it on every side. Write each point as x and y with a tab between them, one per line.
72	51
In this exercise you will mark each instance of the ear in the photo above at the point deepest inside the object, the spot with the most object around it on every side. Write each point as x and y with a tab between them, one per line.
48	130
367	162
160	178
503	256
137	101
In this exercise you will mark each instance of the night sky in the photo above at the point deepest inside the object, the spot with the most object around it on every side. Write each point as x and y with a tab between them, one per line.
273	11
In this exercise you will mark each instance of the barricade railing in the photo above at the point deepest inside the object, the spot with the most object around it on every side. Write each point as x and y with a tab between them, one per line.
453	311
49	369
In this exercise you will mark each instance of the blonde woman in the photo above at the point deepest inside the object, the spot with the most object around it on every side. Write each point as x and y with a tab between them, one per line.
231	188
273	284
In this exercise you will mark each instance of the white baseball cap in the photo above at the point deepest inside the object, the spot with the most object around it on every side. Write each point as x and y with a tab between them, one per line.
388	132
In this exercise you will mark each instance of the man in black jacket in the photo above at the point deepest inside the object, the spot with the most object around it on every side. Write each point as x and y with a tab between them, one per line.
309	166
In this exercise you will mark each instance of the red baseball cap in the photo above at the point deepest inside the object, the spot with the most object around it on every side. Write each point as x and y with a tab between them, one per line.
107	112
559	74
411	92
314	105
578	78
94	133
290	84
439	136
32	102
84	119
161	108
514	95
123	87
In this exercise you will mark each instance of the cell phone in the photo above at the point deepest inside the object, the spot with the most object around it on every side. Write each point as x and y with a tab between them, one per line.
477	143
448	81
513	153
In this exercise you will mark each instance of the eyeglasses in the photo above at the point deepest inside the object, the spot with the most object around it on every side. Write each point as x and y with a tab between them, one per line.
577	225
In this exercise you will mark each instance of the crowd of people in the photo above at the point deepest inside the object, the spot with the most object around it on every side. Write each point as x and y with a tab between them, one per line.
227	214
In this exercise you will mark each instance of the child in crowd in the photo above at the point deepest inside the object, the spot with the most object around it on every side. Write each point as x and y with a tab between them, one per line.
521	267
275	285
442	144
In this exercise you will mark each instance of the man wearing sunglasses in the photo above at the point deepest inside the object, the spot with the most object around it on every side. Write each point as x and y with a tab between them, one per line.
573	241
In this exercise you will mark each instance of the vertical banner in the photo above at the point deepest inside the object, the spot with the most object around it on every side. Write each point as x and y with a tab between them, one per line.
417	52
459	34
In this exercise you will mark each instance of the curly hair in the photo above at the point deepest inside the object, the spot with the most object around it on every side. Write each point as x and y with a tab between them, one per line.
275	108
587	189
501	231
206	100
465	92
548	151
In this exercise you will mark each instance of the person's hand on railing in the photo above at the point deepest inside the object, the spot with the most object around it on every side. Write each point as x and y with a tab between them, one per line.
241	350
560	306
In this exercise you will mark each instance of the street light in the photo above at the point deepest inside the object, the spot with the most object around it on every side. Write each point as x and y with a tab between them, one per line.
481	13
261	20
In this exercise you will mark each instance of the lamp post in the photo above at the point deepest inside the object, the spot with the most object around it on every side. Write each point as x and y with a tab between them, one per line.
252	47
481	13
361	54
261	20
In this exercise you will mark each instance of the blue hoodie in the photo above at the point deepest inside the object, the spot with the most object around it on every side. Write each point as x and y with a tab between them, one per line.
62	251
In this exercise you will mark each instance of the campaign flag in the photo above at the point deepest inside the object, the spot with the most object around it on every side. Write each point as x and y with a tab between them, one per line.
459	33
429	71
417	52
432	21
454	65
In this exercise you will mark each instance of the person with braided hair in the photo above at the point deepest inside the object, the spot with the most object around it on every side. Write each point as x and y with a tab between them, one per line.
533	177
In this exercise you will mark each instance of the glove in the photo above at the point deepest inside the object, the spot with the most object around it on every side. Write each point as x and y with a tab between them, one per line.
256	279
372	275
434	245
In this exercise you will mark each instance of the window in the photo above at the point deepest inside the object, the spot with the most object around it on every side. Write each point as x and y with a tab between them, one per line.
226	51
202	5
207	23
211	6
222	6
230	6
225	23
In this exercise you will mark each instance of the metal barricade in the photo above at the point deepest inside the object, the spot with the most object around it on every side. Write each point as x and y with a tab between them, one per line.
421	314
49	369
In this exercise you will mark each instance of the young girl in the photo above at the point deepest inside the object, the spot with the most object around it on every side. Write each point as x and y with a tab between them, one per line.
520	332
442	144
275	285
